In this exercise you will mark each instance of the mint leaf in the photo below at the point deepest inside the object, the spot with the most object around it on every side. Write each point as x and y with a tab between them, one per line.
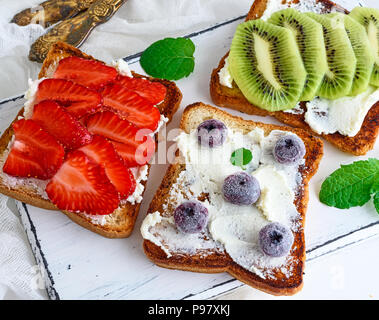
375	186
376	201
241	157
170	58
351	185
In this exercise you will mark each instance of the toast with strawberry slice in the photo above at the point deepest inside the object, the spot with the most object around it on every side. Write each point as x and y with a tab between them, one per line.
75	147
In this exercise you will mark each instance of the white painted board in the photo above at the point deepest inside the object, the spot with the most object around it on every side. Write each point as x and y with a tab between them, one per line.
79	264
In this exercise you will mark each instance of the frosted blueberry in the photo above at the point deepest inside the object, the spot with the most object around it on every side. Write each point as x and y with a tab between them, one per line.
241	188
275	239
211	133
191	217
289	149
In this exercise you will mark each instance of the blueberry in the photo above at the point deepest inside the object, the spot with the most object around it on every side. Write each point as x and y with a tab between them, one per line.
211	133
241	188
275	239
289	149
191	217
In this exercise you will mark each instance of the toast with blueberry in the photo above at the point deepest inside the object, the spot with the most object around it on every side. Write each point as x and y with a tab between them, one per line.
234	200
323	80
73	146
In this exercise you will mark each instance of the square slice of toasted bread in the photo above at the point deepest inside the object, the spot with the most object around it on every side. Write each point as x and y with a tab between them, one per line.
233	98
213	260
120	223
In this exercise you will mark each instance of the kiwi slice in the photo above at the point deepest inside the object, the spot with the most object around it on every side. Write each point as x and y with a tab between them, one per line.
362	50
266	65
310	40
369	18
339	76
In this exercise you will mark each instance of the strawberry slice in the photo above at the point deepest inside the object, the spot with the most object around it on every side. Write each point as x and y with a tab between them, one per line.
89	73
134	146
132	106
132	157
34	153
155	92
102	152
77	99
81	185
60	124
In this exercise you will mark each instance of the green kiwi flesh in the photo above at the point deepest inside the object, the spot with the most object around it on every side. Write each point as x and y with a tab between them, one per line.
310	41
369	18
362	50
266	65
338	80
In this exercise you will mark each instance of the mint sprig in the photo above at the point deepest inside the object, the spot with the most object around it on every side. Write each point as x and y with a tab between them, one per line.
170	58
352	185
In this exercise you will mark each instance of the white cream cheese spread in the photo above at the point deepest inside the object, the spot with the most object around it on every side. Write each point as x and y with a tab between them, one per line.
161	231
225	76
97	218
140	174
150	221
344	115
276	194
296	110
231	228
30	96
302	6
122	67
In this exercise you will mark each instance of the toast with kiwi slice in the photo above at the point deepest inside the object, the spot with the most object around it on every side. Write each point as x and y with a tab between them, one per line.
349	68
118	224
198	252
370	21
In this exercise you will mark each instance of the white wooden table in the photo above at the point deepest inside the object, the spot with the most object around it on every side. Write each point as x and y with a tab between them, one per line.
78	264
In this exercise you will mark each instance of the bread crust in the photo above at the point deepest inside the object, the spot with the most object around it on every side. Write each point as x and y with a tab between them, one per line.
216	262
123	218
233	98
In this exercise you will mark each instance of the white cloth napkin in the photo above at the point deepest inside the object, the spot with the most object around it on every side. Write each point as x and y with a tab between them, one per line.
18	269
136	25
